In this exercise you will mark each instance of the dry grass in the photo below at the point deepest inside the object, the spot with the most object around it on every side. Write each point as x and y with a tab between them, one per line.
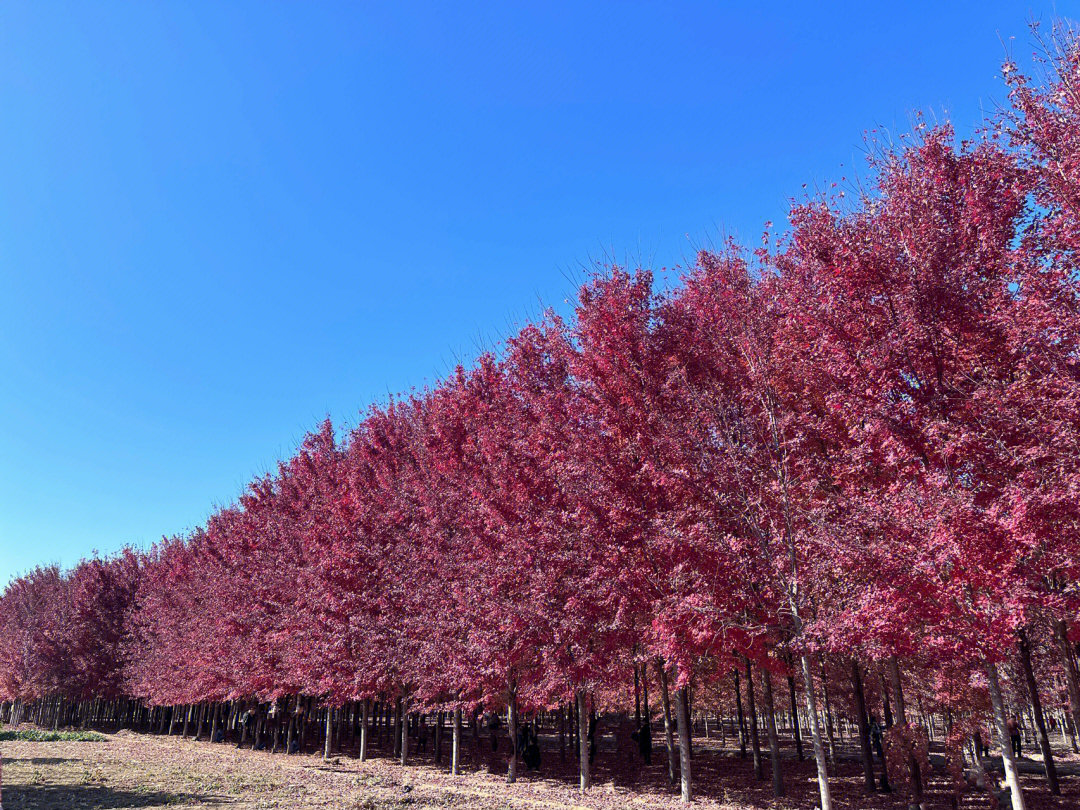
138	771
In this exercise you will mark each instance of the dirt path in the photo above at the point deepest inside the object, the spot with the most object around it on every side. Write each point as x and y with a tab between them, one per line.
144	771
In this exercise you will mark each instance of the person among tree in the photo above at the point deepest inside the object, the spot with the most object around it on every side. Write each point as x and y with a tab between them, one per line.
493	730
273	723
643	736
594	721
298	724
421	735
1013	726
522	741
531	754
877	743
247	723
875	737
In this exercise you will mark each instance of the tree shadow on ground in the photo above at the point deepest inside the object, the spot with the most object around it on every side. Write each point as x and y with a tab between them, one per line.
85	797
38	760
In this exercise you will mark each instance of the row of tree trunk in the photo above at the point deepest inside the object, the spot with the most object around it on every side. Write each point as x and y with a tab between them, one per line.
288	722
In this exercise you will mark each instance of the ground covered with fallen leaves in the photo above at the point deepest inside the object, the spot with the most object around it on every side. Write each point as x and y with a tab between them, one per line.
129	770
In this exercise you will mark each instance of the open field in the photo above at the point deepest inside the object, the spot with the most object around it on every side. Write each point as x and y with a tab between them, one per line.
130	770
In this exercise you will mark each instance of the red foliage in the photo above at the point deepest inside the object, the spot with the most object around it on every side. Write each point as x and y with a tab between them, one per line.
859	440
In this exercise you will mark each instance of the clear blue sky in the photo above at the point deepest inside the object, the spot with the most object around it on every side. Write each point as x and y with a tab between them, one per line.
220	222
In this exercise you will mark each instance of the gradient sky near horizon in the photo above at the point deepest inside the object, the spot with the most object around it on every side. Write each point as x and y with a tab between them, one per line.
220	222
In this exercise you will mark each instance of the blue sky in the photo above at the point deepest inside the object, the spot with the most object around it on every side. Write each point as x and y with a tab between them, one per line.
220	222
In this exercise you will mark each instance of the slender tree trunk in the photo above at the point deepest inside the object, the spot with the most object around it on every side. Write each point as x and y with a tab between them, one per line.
1037	711
583	741
511	728
562	733
637	698
683	719
770	727
815	734
669	735
290	733
404	723
739	716
398	722
1072	678
795	717
645	705
365	712
243	733
1012	776
339	737
755	744
901	718
329	728
455	754
476	733
828	712
438	736
864	726
885	703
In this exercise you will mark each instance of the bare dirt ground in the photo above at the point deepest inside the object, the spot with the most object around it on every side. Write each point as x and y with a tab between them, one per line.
143	771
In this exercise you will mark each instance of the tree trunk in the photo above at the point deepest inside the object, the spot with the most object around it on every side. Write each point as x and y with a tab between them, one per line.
637	697
683	719
770	727
669	734
404	723
1072	678
455	754
815	734
290	733
739	716
583	741
828	712
901	718
645	693
476	733
864	726
1037	711
511	728
438	736
365	713
1012	776
395	733
795	717
329	737
755	744
647	715
562	734
885	703
275	727
339	736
